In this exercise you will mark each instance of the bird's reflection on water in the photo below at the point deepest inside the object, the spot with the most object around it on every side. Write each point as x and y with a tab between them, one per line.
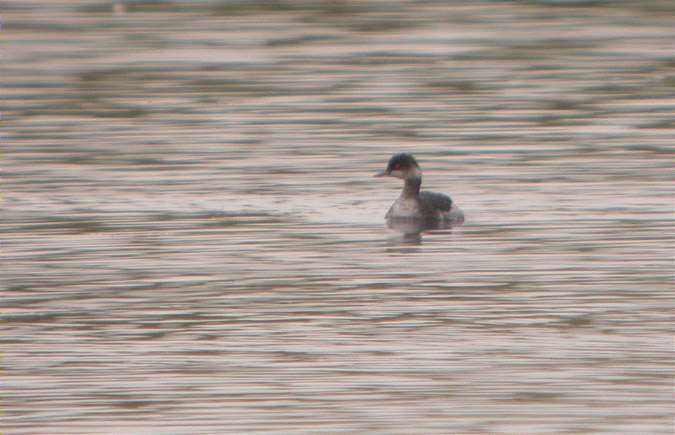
411	230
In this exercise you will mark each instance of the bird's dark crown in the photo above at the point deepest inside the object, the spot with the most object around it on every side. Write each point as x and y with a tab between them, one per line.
401	162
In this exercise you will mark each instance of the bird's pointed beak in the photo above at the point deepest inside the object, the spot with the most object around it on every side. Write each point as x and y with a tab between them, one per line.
381	174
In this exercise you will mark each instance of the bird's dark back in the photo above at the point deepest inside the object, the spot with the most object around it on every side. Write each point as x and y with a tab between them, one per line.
435	201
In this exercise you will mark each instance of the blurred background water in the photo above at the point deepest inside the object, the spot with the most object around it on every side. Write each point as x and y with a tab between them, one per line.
193	241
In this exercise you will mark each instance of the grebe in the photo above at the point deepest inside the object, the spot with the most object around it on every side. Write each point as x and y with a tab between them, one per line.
416	205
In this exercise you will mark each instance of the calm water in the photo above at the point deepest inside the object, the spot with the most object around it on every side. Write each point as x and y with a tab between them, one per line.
193	241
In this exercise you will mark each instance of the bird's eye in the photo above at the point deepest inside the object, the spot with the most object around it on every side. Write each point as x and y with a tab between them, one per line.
397	166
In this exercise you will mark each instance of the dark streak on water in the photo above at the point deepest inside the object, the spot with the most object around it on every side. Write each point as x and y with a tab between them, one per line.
193	243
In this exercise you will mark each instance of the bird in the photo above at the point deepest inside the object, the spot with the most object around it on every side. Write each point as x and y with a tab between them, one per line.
414	204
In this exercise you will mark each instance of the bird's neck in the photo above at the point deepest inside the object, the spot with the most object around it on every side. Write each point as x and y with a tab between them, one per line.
411	188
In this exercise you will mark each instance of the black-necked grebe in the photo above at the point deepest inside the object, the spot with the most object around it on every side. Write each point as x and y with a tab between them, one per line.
413	204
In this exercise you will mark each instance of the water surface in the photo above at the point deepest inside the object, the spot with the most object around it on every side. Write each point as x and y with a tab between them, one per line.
193	241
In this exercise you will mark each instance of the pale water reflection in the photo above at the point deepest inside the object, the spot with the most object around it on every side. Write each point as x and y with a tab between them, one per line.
193	241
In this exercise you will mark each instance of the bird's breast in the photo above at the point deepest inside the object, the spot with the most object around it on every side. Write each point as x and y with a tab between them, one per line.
405	207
